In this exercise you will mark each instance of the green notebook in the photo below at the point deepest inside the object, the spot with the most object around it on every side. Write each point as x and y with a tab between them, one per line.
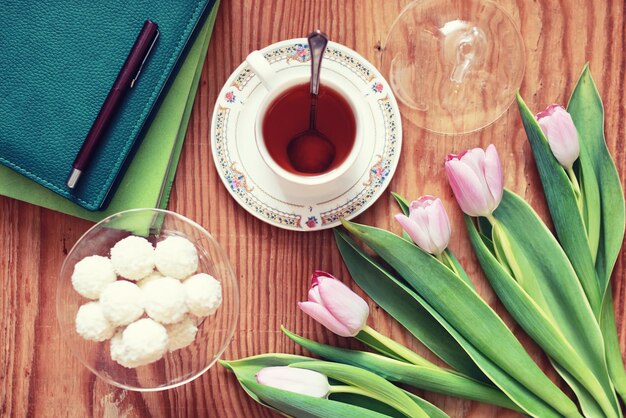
58	62
148	179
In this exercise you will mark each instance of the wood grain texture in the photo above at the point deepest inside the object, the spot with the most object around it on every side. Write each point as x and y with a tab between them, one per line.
40	378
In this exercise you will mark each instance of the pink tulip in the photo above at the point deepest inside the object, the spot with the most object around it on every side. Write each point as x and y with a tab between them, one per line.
302	381
559	129
334	305
427	224
476	180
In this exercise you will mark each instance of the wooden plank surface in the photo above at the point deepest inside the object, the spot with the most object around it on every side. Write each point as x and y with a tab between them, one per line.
40	378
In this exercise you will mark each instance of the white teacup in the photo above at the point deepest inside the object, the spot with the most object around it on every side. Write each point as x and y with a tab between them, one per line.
276	83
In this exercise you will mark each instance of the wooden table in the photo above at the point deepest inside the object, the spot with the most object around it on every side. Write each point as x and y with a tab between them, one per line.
39	377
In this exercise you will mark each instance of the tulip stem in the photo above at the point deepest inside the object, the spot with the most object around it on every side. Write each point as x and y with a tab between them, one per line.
391	348
573	179
349	389
441	259
453	264
579	198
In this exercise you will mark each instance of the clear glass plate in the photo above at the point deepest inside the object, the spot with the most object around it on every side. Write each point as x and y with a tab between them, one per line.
214	332
454	65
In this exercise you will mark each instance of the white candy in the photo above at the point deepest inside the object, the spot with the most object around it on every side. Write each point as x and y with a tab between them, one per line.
142	342
203	294
122	302
91	323
133	257
91	275
150	277
181	334
176	257
164	300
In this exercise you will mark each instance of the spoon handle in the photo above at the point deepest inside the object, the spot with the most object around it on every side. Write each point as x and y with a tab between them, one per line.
317	45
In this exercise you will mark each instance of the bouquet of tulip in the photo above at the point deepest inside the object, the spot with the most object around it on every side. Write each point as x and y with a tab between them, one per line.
586	201
556	293
556	289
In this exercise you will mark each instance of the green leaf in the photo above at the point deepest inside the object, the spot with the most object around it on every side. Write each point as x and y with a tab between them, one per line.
413	314
588	404
563	205
430	409
303	406
587	112
431	378
591	202
377	406
611	342
374	385
533	320
248	367
368	403
544	272
402	202
449	301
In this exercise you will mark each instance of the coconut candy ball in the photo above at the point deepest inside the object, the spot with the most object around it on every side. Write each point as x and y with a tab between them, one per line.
91	323
140	343
181	334
122	302
150	277
203	294
164	300
91	275
176	257
118	350
133	258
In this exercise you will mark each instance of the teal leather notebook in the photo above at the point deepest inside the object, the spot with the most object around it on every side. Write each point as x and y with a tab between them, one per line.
58	62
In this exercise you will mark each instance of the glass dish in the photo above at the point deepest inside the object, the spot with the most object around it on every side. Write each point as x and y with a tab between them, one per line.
454	65
214	332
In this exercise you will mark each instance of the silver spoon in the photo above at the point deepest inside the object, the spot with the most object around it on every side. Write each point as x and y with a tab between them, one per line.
311	151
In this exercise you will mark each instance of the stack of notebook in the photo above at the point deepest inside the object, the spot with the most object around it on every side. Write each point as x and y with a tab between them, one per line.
43	122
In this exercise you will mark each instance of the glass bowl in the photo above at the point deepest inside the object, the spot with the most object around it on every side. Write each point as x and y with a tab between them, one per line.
214	332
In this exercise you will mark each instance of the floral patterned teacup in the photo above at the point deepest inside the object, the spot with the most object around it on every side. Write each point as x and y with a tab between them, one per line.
276	83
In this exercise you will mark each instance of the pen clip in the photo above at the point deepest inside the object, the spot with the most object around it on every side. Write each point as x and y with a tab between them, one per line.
132	82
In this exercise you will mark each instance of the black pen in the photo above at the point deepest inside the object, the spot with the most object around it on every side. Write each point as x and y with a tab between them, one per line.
125	80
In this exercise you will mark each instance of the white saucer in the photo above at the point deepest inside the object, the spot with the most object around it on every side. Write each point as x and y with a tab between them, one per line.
251	182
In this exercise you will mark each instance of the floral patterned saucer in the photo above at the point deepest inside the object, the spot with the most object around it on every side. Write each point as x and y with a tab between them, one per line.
251	182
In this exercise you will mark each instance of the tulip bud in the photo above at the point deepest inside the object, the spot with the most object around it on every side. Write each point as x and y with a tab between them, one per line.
476	179
292	379
335	305
559	129
427	224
